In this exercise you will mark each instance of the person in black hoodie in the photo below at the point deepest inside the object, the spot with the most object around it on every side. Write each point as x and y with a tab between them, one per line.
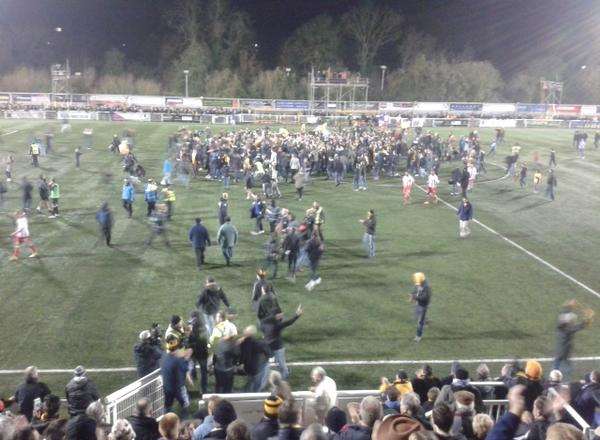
145	426
423	381
254	356
146	354
198	342
208	303
272	328
80	392
83	426
268	305
268	425
224	360
30	390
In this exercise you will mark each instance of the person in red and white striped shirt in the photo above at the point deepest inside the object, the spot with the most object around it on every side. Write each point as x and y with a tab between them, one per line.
432	187
21	236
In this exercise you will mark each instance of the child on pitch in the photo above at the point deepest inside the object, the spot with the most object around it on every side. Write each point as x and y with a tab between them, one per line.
432	187
407	184
21	236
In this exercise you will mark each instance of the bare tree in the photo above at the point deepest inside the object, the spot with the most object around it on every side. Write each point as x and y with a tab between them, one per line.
372	27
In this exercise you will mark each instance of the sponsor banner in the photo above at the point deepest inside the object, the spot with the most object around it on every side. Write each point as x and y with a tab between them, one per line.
588	110
130	116
449	122
4	97
40	99
370	106
565	109
174	102
498	108
256	103
584	124
546	123
465	107
294	105
74	114
425	107
108	100
217	102
396	106
498	123
26	114
531	108
21	98
146	101
78	98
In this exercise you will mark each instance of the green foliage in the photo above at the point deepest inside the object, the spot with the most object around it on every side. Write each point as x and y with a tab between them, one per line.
276	84
114	62
223	83
25	79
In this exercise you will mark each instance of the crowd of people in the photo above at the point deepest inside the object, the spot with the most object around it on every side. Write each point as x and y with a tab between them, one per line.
419	407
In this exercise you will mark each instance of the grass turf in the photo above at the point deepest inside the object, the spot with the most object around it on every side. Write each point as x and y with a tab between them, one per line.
83	303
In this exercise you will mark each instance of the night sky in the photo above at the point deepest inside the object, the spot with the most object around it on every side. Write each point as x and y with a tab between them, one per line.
507	32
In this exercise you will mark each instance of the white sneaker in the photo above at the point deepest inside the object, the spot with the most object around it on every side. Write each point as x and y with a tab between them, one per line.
310	285
52	216
318	281
417	339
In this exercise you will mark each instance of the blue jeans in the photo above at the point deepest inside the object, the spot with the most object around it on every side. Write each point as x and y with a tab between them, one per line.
314	265
209	323
258	382
420	313
369	243
279	356
226	182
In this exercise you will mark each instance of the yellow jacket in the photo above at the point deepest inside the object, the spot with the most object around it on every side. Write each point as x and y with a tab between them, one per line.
402	387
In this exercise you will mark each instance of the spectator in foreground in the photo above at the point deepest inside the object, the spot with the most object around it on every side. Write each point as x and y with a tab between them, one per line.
208	423
85	426
442	419
411	407
335	420
80	392
237	430
423	381
268	425
289	421
324	385
432	396
56	430
482	425
587	401
563	431
363	419
144	425
173	369
169	427
30	390
400	427
47	414
224	415
122	430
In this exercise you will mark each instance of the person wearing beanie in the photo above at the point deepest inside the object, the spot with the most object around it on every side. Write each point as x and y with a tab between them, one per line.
555	379
531	378
80	392
30	390
397	427
421	297
223	415
268	425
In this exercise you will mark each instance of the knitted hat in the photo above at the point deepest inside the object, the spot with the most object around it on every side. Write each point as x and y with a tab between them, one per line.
335	419
224	413
145	334
533	370
461	374
271	406
79	371
397	427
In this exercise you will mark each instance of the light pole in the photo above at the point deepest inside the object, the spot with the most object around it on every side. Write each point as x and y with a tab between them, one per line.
186	73
383	68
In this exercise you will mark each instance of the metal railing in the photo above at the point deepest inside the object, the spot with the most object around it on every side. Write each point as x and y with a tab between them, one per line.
122	403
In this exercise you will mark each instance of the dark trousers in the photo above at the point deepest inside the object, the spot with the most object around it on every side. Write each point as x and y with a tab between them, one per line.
157	232
292	261
224	381
199	256
150	208
55	206
128	207
299	191
259	225
420	315
106	234
171	396
169	209
34	159
203	363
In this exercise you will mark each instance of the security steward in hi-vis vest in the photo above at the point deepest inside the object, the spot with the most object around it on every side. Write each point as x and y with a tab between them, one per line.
169	198
34	150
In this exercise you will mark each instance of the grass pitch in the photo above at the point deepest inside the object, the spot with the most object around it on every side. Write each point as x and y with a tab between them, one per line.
83	303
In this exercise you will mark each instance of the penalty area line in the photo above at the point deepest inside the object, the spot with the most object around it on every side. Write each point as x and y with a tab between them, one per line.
522	249
9	132
334	363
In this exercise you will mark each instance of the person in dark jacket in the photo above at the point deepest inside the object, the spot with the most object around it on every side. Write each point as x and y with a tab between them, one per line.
268	425
83	426
272	328
363	418
442	418
223	207
198	342
257	287
80	392
105	220
254	356
369	236
224	414
465	215
421	297
144	426
542	413
268	305
464	181
291	248
531	379
314	250
200	239
30	390
551	184
587	402
147	354
571	319
209	301
224	360
49	412
423	381
461	382
173	369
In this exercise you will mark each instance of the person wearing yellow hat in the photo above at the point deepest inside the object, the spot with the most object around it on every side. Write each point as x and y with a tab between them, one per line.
269	425
421	297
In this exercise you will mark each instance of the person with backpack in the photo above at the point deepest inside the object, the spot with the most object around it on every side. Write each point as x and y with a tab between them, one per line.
104	217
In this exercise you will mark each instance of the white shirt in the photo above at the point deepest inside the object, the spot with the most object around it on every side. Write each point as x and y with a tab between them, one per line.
433	181
472	172
408	181
328	388
22	228
294	163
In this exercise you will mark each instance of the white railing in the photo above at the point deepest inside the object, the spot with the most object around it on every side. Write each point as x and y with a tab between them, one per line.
122	403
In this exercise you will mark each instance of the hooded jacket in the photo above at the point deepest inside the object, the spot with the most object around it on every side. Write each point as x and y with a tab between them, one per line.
210	299
80	392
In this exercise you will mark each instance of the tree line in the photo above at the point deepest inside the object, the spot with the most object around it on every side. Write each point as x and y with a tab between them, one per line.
216	43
